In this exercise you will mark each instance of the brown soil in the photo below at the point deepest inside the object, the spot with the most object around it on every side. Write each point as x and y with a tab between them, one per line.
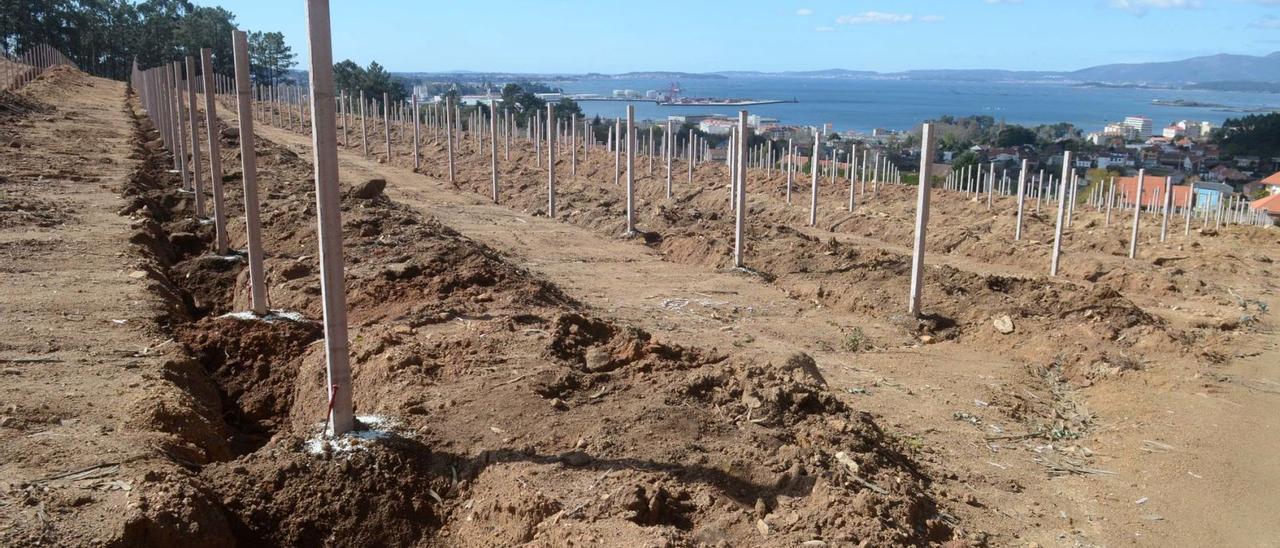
1185	311
545	383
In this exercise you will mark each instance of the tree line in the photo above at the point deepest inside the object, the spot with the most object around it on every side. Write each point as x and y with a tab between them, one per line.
104	37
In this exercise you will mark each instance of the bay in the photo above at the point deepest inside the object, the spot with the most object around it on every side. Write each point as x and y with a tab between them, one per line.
862	105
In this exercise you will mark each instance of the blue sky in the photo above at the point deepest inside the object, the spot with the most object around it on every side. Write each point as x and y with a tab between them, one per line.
707	35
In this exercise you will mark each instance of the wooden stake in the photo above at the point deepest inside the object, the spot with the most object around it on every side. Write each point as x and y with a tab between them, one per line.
551	162
215	155
791	167
690	144
744	136
386	123
1167	197
450	120
196	177
813	186
364	127
922	219
668	149
178	122
1191	199
1137	210
1062	204
629	135
493	148
329	216
417	147
1022	186
249	174
853	154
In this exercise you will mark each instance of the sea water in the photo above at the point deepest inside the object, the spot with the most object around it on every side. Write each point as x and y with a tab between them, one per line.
862	105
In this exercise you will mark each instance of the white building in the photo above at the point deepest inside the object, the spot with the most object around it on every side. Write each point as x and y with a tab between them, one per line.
1190	128
717	126
1141	125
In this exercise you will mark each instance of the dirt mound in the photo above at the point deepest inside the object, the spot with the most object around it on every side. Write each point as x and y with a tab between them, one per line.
16	105
282	495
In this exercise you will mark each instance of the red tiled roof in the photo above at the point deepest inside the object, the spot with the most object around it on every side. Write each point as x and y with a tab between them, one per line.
1126	188
1274	179
1270	204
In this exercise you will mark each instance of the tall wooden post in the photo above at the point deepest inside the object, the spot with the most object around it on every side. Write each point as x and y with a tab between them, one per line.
1167	197
181	110
342	115
813	185
922	219
791	165
730	158
551	161
196	177
249	174
364	127
1186	212
617	151
1137	210
1062	204
328	212
417	147
215	155
853	155
386	123
650	158
630	137
668	148
450	119
1040	192
1111	198
493	148
573	146
991	184
744	137
1022	186
875	177
690	166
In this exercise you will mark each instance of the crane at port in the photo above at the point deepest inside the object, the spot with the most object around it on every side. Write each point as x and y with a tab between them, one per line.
673	91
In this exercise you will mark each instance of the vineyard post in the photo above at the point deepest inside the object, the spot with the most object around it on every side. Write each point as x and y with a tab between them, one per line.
1137	210
922	219
328	213
1057	230
215	156
249	174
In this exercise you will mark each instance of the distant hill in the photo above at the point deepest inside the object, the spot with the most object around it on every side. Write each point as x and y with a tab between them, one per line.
1196	70
1219	72
1211	68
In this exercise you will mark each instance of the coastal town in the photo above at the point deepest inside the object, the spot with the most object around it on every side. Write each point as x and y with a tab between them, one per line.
1185	151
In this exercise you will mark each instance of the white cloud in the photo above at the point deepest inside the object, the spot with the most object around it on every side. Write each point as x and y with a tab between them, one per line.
881	18
804	12
1139	7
